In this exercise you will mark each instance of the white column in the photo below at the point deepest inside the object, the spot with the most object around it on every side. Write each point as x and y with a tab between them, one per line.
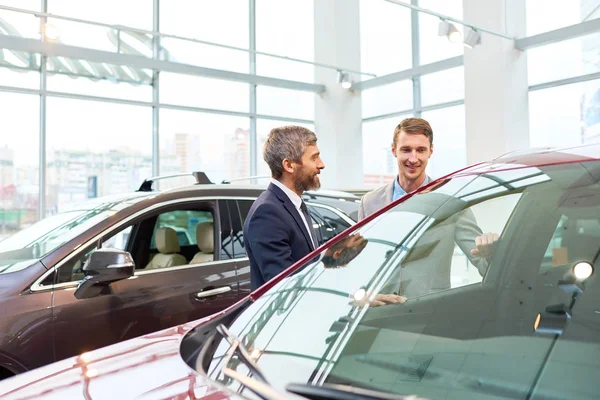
496	102
338	113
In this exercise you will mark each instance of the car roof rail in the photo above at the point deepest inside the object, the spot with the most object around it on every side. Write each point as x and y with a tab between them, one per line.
201	179
246	178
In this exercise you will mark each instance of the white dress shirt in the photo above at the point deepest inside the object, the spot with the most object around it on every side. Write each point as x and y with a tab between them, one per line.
297	201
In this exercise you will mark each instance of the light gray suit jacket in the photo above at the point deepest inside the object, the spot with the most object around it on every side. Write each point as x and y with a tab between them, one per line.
426	268
375	200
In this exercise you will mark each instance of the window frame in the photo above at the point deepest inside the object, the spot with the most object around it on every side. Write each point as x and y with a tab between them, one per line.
133	219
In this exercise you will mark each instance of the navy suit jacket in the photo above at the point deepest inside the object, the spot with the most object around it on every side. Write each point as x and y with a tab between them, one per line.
275	236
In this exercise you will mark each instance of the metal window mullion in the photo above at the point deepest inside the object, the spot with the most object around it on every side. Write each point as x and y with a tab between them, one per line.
252	59
566	81
155	90
416	58
42	123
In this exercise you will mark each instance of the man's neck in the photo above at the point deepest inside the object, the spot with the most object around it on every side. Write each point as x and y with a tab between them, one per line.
410	185
288	182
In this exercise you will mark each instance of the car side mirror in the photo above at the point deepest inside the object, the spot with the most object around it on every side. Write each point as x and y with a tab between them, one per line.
103	267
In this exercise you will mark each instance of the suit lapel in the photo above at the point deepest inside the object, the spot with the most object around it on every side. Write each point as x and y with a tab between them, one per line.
289	206
386	196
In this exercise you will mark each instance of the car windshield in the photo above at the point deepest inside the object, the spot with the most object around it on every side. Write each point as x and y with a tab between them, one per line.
408	303
24	247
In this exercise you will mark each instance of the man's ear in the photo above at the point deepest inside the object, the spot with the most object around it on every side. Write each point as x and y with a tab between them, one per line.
394	149
288	166
431	152
336	254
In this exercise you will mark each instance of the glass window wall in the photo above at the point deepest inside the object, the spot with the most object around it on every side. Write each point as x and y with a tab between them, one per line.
379	164
204	55
386	99
443	86
20	24
224	21
19	162
566	115
285	27
94	149
285	102
548	15
215	144
131	13
564	59
449	140
197	91
385	37
18	68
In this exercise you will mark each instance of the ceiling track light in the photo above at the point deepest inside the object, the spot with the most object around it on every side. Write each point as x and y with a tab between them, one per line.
449	30
344	79
472	38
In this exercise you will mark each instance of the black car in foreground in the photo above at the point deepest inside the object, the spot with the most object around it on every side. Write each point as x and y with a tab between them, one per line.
187	260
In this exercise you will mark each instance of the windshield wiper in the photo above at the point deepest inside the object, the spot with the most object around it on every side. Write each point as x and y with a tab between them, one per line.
258	385
343	392
238	348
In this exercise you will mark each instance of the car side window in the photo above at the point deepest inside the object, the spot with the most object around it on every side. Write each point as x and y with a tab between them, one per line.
181	237
327	223
240	213
226	238
184	223
72	270
574	239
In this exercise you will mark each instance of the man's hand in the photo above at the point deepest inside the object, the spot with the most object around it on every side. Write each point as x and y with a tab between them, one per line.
384	299
380	300
485	244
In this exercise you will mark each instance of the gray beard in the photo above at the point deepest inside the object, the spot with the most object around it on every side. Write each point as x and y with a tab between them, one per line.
304	185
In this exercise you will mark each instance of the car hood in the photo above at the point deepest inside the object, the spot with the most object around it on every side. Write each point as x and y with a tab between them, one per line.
148	367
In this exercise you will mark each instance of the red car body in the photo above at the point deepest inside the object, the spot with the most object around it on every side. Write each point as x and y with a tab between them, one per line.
151	366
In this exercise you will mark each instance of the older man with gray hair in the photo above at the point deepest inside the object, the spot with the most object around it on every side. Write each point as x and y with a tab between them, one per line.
278	230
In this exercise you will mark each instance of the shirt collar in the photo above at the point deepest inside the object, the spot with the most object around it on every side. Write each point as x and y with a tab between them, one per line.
296	200
399	192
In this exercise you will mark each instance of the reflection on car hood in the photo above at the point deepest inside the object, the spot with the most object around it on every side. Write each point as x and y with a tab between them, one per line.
148	367
7	266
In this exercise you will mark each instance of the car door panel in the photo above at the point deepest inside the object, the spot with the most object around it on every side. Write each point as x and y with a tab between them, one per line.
144	303
243	272
83	325
26	334
152	299
161	299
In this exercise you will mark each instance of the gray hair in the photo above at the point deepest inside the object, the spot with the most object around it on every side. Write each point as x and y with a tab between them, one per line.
286	142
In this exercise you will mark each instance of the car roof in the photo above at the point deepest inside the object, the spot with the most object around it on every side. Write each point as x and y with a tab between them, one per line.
541	157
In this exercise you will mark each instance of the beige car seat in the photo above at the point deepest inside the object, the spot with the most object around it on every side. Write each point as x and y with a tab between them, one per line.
168	248
205	237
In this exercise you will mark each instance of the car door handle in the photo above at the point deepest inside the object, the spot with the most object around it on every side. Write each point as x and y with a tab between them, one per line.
213	292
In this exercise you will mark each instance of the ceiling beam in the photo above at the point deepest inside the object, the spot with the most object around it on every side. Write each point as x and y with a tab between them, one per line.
409	73
61	50
558	35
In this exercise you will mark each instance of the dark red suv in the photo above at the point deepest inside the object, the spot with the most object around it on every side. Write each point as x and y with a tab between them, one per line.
167	258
